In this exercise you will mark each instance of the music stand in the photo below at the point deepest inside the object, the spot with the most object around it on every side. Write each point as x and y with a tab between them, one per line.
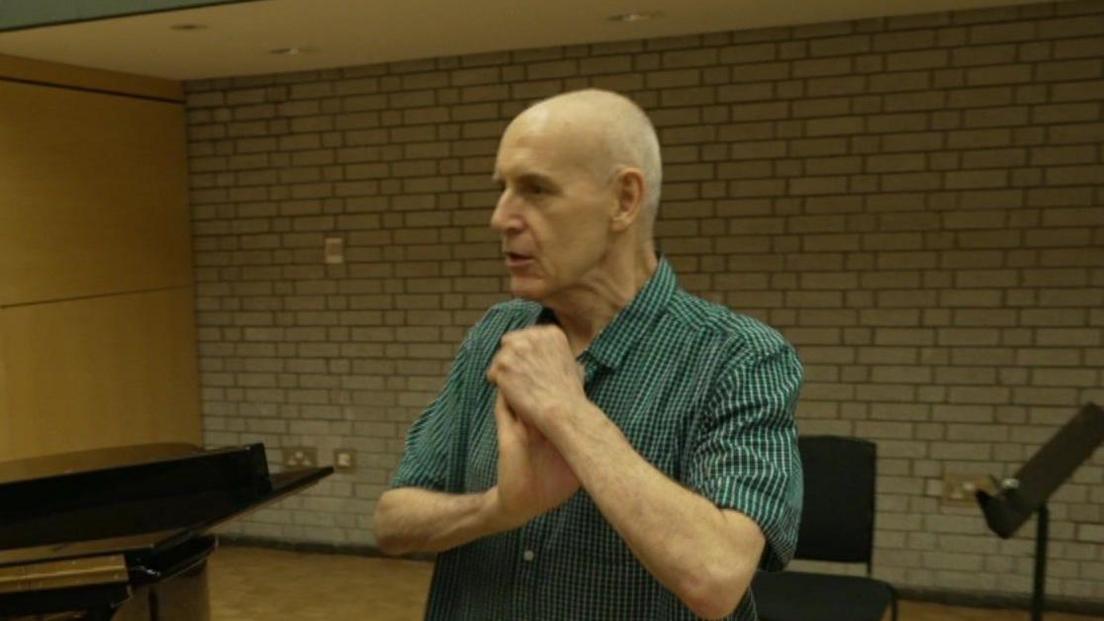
1017	498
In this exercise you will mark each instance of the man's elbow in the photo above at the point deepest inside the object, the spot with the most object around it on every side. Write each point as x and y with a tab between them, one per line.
391	546
388	540
715	594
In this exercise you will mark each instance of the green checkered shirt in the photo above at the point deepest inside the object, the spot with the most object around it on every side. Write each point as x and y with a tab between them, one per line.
704	394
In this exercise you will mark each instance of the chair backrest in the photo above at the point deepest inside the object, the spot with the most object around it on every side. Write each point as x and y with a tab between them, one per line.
837	522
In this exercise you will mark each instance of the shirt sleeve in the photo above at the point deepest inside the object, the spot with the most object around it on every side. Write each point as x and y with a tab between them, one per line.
746	458
432	459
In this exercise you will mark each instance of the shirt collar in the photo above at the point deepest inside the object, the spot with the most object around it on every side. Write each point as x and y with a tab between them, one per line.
631	322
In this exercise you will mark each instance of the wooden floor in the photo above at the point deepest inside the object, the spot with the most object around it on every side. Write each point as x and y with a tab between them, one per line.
252	584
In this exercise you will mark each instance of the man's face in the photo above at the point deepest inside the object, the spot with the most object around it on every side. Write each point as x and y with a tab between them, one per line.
554	211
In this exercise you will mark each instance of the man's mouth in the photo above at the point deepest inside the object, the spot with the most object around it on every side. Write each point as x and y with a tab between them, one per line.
516	259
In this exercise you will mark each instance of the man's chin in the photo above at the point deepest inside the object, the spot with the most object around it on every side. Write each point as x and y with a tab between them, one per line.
526	290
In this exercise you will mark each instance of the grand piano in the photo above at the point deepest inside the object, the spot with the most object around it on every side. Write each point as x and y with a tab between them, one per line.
124	533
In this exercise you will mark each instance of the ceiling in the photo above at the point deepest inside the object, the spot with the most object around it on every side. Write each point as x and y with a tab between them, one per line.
237	38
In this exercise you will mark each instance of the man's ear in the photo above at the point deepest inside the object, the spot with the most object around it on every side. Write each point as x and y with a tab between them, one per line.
629	191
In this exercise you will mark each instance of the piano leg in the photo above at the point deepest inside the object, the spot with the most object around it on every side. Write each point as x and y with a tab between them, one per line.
181	598
184	598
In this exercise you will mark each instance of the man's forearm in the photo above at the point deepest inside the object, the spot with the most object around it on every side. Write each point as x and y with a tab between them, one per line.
411	519
704	555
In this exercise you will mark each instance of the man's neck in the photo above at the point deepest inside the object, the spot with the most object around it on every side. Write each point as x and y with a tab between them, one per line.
584	314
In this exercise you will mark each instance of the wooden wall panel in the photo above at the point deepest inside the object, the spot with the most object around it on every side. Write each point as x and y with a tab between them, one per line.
6	421
94	194
99	372
85	77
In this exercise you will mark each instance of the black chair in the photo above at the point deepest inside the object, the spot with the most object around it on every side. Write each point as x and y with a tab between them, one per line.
837	525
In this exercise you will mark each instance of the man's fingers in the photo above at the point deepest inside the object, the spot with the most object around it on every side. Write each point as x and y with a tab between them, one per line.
502	406
510	429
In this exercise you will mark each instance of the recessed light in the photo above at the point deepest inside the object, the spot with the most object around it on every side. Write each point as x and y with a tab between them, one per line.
293	51
634	17
188	27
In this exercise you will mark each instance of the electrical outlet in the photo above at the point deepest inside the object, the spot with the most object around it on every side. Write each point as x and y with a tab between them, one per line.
333	250
344	460
300	456
960	488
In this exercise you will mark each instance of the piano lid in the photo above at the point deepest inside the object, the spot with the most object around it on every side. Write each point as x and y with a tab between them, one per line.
131	499
87	461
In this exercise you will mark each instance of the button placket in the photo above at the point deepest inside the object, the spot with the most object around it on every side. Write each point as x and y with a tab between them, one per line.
527	584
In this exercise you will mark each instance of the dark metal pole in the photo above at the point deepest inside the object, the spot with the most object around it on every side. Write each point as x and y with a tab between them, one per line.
1039	592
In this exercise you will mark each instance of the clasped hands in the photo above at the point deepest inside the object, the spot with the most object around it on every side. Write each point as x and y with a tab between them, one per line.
540	386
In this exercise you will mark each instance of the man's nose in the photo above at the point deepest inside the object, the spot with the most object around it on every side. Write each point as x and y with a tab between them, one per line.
504	218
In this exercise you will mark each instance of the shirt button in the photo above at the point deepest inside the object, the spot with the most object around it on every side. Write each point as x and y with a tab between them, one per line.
529	555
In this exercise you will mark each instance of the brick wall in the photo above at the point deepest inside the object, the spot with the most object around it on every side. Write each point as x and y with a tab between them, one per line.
915	202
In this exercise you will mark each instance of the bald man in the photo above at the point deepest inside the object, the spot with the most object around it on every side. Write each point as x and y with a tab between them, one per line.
606	446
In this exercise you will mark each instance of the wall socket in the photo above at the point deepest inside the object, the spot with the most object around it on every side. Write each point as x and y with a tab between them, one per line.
333	251
300	456
959	488
344	460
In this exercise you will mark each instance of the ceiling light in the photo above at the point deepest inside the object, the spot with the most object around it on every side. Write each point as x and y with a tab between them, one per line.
293	51
188	27
634	17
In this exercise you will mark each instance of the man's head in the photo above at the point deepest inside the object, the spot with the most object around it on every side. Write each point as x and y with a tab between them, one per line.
580	176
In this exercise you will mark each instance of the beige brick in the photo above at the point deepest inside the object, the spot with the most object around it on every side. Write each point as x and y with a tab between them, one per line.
1058	237
1072	27
905	40
550	70
1064	113
690	58
817	147
1076	378
1044	396
900	81
760	111
903	336
745	92
1069	70
984	55
920	100
750	53
818	185
605	64
884	430
840	46
1087	47
996	117
999	33
1074	175
974	179
822	67
910	61
669	79
999	74
894	317
908	182
822	107
885	393
834	126
979	138
472	94
904	162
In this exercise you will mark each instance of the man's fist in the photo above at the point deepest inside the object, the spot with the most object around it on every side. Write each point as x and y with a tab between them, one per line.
536	373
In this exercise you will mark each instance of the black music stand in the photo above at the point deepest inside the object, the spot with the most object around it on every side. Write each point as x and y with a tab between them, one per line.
1017	498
